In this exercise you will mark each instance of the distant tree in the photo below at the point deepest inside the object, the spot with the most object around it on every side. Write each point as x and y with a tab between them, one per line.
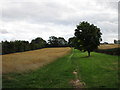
118	41
26	45
20	46
61	42
38	43
5	47
71	42
87	37
53	41
105	42
115	41
57	42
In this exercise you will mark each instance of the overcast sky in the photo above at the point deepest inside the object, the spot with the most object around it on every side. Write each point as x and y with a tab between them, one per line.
28	19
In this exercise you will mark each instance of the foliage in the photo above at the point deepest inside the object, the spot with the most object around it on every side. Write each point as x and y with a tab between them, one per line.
15	46
37	43
61	42
20	46
57	42
71	41
87	36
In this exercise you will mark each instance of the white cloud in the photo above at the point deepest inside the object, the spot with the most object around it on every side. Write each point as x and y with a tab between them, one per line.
28	19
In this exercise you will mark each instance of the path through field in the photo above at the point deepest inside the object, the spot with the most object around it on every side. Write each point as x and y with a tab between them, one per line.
76	82
31	60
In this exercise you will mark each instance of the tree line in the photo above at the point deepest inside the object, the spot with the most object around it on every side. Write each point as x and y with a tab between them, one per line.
37	43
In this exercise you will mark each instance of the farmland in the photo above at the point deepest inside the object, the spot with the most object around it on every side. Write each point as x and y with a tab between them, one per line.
19	62
109	46
98	71
112	49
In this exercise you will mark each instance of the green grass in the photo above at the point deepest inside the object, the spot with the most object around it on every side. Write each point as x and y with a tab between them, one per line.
97	71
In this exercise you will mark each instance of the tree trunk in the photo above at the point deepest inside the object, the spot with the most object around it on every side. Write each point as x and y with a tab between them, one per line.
88	53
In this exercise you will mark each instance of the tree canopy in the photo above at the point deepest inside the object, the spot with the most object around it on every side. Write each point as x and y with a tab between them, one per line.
88	37
57	42
71	41
21	46
37	43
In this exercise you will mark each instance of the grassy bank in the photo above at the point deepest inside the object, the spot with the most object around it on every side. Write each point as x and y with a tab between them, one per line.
113	51
97	71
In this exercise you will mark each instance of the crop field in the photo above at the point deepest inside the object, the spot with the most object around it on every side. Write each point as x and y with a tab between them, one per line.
74	70
109	46
30	60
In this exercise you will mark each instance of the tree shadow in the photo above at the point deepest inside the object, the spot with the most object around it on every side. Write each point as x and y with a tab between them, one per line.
85	56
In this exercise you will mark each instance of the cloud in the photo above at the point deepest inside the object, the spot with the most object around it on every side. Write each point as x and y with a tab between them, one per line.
30	19
3	31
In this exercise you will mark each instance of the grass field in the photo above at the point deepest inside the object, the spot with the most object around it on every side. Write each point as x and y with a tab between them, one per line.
19	62
97	71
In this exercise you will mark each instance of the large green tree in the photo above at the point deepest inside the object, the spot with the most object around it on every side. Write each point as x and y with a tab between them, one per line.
88	37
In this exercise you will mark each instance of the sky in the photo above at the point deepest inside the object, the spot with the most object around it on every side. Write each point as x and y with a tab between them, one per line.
29	19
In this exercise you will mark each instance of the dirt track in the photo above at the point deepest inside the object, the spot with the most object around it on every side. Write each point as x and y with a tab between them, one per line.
19	62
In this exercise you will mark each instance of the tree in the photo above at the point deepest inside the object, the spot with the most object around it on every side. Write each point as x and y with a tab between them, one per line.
53	41
115	41
87	37
57	42
71	41
5	47
38	43
105	42
61	42
21	46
